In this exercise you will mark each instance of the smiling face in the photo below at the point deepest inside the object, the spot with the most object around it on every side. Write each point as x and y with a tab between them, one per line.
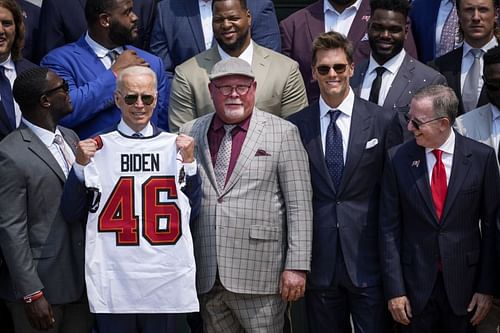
231	25
387	33
433	130
7	33
477	21
333	86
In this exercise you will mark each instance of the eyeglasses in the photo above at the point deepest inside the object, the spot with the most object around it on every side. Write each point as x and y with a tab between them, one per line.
228	90
64	86
417	123
131	99
491	86
325	69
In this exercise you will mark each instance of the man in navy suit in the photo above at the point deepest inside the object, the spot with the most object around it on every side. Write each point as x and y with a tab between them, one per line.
346	151
182	29
438	211
30	9
91	64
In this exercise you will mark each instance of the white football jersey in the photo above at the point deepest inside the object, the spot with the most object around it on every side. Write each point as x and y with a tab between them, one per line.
139	252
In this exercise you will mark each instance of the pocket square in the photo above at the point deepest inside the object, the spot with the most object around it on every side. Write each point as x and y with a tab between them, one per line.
372	143
261	152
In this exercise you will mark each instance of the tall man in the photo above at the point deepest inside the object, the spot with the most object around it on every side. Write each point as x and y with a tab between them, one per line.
349	17
390	76
280	90
253	237
43	253
462	67
139	263
438	211
91	65
346	150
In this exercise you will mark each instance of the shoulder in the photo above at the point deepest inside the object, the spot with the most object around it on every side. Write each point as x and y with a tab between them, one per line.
304	114
300	15
199	63
66	52
196	126
448	60
277	59
472	146
274	123
422	69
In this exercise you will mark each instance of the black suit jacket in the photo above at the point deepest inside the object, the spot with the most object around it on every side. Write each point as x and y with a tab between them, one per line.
412	240
450	65
349	214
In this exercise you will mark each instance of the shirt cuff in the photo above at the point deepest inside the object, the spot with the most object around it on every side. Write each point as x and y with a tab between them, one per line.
78	168
190	168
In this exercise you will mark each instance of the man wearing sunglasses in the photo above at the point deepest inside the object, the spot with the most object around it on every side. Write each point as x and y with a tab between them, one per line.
439	206
390	76
483	125
139	263
346	139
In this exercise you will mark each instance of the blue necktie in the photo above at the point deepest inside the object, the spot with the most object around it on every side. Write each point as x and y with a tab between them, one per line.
334	152
6	95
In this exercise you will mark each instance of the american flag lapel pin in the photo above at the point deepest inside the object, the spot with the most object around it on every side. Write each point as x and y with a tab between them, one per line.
415	163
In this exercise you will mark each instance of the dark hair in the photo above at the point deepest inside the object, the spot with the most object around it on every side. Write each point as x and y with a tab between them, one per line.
332	40
243	4
17	46
29	86
399	6
496	29
444	100
492	56
94	8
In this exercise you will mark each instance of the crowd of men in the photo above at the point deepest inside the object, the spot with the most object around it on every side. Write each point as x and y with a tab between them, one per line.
166	157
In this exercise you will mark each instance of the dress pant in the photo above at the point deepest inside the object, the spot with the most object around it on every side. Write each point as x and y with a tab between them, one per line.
135	323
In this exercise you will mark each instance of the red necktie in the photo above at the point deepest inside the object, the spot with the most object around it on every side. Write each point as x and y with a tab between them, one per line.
438	183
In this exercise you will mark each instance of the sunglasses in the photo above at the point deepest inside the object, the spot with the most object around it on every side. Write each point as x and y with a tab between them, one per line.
491	86
417	123
228	90
131	99
325	69
64	86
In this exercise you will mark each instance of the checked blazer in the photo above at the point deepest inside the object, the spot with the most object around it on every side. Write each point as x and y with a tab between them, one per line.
261	223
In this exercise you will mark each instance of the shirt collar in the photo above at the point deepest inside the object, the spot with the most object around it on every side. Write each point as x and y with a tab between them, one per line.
98	49
217	123
448	146
491	44
8	63
46	136
496	112
125	129
246	55
345	107
392	65
327	6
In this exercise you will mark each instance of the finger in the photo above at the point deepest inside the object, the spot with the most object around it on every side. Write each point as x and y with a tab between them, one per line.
285	293
472	303
408	311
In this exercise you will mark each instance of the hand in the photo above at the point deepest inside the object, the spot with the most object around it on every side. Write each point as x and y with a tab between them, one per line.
292	285
185	145
85	150
126	59
482	303
40	314
400	309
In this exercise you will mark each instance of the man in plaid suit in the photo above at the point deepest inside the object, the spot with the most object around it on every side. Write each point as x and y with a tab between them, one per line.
254	233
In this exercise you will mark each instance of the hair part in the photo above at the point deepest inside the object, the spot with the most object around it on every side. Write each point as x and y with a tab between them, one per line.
135	71
444	100
94	8
332	40
15	9
29	86
399	6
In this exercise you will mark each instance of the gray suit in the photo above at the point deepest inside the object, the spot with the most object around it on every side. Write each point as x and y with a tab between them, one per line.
42	251
261	224
280	88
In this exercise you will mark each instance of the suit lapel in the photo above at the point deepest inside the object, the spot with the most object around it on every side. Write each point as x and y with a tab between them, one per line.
359	77
195	23
201	129
360	22
316	21
400	83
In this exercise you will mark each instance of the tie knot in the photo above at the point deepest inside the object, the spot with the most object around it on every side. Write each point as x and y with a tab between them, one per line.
229	128
58	139
113	54
380	70
437	153
334	115
476	53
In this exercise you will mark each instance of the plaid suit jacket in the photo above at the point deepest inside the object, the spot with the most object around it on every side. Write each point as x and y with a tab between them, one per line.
261	223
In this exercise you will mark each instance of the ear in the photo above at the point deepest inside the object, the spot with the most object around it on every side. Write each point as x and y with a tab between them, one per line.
117	99
104	20
44	101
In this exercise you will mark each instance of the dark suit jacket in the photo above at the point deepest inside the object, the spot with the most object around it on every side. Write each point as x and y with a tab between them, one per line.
41	250
423	16
349	214
31	14
299	30
412	76
178	35
63	22
5	126
92	87
450	65
412	240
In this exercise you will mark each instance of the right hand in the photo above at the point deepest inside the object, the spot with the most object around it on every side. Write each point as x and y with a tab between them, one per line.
400	309
126	59
85	150
40	314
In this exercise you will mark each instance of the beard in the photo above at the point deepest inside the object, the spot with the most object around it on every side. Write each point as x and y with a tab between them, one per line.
121	35
237	45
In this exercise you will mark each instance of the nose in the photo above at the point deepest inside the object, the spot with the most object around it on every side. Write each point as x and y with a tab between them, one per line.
475	15
233	93
410	126
134	17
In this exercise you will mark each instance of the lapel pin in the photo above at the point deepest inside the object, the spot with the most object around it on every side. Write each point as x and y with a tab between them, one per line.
415	163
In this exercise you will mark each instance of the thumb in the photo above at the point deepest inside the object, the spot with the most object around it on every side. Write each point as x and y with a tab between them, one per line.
472	303
408	309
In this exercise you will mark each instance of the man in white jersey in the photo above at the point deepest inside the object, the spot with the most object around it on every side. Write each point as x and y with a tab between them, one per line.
139	262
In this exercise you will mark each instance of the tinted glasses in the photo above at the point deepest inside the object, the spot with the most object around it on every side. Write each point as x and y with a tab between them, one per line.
64	86
228	90
325	69
417	123
131	99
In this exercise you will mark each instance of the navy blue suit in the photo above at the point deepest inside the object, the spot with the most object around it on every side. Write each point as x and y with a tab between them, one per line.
91	87
31	14
178	35
423	16
345	222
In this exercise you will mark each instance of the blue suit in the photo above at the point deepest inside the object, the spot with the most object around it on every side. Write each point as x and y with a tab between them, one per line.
423	16
91	87
30	13
178	35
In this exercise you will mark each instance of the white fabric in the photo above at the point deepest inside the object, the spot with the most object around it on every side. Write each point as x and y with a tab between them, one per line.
206	22
448	148
246	55
468	60
100	51
340	22
139	277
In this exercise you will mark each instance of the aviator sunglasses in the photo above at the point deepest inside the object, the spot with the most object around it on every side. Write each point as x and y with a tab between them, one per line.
417	123
131	99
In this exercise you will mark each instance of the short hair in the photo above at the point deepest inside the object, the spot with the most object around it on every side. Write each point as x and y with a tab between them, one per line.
399	6
243	4
496	29
332	40
29	86
135	71
17	46
94	8
492	56
444	100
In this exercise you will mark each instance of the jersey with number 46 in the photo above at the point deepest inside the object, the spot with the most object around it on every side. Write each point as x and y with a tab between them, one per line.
139	251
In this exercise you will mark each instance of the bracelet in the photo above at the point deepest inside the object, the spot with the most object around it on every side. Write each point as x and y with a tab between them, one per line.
33	297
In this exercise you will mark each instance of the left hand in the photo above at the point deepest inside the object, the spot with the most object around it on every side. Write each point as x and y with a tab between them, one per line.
185	145
292	285
482	303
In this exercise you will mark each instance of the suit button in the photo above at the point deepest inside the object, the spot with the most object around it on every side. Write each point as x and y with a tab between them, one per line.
79	243
339	202
220	200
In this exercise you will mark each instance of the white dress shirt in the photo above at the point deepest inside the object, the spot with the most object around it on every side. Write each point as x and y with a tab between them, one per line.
100	51
448	148
246	55
339	22
206	22
11	75
468	60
